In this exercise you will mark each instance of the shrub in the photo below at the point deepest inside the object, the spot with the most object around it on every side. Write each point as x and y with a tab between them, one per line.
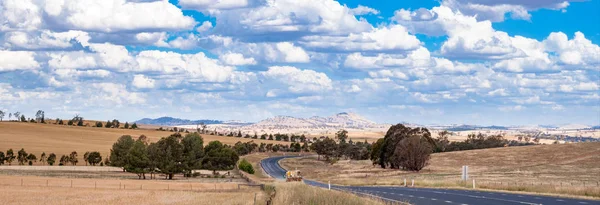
246	166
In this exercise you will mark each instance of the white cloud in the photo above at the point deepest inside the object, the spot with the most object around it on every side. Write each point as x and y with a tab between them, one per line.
206	25
297	81
19	15
291	53
141	81
288	19
394	38
236	59
363	10
117	94
496	10
214	4
197	66
17	60
578	51
45	39
511	108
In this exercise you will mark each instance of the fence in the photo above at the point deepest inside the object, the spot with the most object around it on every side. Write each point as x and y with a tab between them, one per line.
119	184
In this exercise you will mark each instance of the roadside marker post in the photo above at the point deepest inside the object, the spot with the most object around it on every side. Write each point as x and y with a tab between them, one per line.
329	185
473	183
413	183
405	182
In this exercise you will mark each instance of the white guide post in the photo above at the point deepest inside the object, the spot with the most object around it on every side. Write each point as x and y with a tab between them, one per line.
473	183
329	185
405	182
413	183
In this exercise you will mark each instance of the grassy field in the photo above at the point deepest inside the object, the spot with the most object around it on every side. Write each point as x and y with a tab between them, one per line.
62	139
300	194
571	169
57	195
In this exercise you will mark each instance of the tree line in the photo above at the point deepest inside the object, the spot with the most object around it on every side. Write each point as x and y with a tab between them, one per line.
92	158
40	117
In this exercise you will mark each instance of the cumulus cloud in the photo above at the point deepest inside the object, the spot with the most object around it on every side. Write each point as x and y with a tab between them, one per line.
282	20
236	59
496	10
203	5
297	81
363	10
206	25
394	38
141	81
17	60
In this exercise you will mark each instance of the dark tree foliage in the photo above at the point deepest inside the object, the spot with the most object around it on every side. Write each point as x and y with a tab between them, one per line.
137	160
94	158
387	154
169	157
10	156
119	150
219	157
193	151
413	153
376	151
2	158
22	156
51	159
245	166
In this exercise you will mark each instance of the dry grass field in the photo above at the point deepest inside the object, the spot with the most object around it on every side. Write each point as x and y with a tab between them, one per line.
64	196
301	194
572	169
61	139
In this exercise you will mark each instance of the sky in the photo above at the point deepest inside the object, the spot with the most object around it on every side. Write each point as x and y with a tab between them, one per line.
484	62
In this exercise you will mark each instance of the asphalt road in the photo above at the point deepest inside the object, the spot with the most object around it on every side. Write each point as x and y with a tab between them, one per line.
430	196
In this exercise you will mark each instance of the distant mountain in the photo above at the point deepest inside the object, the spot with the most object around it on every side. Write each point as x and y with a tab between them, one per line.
340	120
169	121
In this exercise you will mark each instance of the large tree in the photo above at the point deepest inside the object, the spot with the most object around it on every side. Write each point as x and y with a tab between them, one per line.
73	158
193	151
137	160
51	159
10	156
1	115
168	155
219	157
94	158
413	153
119	150
2	158
388	157
22	156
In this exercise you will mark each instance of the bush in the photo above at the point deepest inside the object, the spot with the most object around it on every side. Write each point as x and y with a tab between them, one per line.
246	166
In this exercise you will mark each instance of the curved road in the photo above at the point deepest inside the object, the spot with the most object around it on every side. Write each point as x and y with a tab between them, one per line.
428	195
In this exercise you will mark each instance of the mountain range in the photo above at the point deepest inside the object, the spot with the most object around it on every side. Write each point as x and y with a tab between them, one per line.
170	121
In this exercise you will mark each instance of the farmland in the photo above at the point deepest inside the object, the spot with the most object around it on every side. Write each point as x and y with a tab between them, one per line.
562	169
61	139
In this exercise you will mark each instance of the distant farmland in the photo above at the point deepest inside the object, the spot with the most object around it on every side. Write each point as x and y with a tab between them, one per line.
61	139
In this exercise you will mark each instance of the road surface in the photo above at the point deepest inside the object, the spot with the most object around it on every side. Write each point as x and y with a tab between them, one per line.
427	196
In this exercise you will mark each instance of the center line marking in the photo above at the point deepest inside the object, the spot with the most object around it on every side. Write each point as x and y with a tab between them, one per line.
449	202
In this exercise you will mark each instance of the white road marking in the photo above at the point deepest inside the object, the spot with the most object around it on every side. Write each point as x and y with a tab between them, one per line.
537	198
410	196
560	200
448	202
581	202
421	197
433	199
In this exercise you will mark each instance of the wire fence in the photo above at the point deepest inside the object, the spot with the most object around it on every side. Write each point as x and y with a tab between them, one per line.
122	184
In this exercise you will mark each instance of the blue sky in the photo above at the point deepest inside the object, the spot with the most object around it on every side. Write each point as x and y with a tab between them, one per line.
484	62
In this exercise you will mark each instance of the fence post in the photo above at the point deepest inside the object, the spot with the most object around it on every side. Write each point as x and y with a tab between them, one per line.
254	198
329	185
473	183
404	182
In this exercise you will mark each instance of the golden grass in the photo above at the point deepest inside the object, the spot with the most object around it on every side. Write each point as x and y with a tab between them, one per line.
559	169
61	139
299	193
64	196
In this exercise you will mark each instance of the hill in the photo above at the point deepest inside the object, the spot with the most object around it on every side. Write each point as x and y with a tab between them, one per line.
169	121
556	168
61	139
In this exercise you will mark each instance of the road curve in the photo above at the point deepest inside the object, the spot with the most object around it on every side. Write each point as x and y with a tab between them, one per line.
431	196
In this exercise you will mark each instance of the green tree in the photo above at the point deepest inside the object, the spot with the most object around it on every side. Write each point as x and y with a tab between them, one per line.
64	160
2	113
39	116
134	126
23	118
10	156
22	156
126	126
342	136
169	155
137	159
98	124
2	158
413	153
108	124
94	158
193	151
51	159
119	150
31	158
85	157
388	155
73	158
375	152
115	123
219	157
43	158
244	165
